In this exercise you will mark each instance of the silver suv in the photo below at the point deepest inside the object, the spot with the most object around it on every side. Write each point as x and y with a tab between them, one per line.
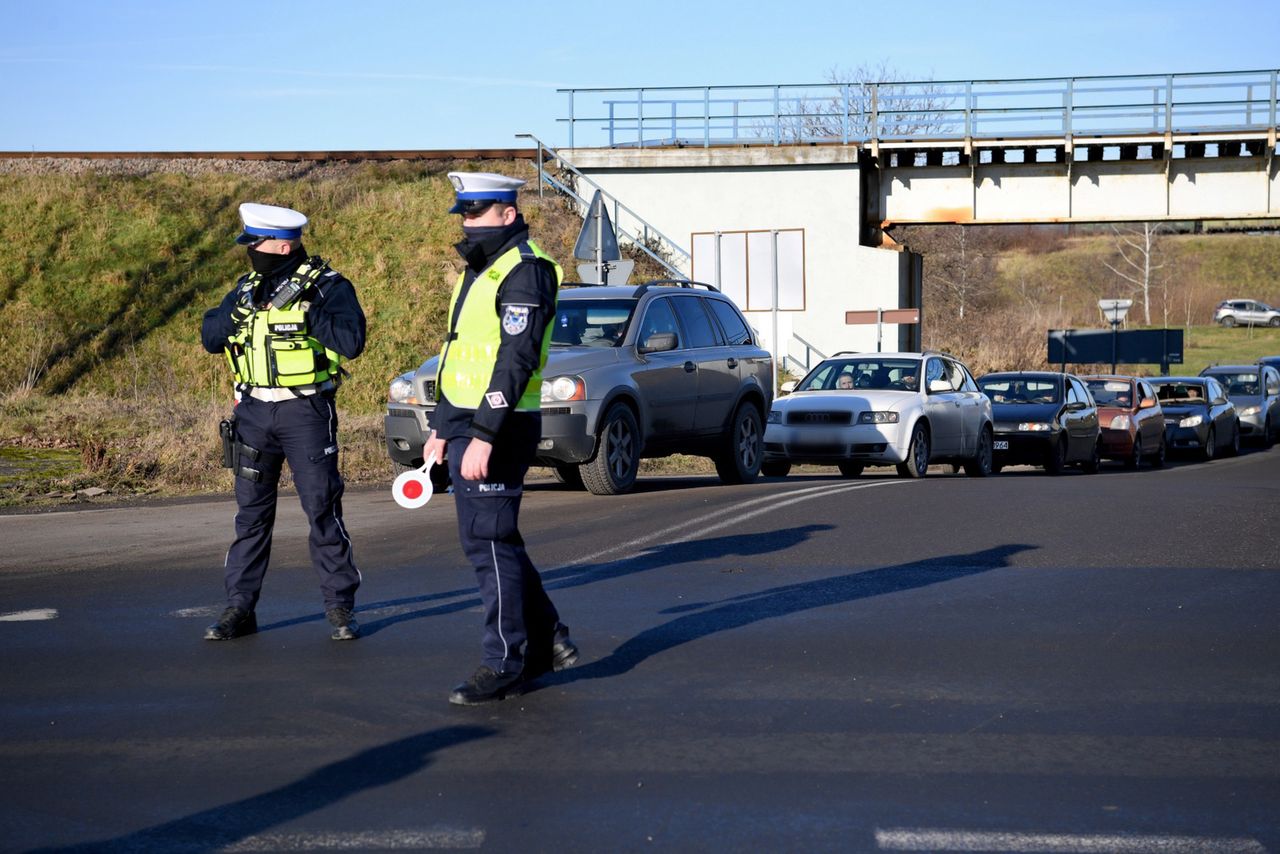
638	371
1246	312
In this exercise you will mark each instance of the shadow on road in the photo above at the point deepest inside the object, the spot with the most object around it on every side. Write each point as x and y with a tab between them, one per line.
739	611
219	827
582	574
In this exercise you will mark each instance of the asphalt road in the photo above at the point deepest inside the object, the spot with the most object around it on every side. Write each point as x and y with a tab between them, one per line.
1023	663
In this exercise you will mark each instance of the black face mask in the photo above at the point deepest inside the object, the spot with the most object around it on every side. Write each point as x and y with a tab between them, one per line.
269	263
476	233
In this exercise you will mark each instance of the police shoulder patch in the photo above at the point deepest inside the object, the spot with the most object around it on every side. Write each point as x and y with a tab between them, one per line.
515	319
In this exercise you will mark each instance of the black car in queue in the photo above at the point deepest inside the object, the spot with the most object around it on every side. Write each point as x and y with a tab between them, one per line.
1198	416
1044	419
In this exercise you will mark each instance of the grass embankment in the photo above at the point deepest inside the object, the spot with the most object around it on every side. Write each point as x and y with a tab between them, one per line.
105	278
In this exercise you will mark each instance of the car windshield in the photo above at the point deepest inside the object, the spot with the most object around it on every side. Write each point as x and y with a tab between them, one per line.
863	373
1238	383
1111	393
1019	390
1180	392
591	322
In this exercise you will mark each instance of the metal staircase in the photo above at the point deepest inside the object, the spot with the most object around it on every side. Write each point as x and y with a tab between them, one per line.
630	227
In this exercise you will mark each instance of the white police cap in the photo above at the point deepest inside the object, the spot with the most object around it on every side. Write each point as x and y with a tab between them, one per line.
270	222
483	187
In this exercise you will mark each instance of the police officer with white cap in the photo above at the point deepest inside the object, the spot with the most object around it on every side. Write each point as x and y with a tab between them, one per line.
487	425
285	328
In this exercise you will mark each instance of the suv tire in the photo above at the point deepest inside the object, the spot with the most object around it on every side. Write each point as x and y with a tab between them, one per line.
1228	321
739	462
775	468
917	462
614	468
850	470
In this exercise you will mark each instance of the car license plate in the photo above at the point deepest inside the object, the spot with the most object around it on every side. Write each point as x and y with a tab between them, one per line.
1000	445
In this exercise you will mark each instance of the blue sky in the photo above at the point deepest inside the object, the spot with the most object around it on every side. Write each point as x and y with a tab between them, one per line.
137	75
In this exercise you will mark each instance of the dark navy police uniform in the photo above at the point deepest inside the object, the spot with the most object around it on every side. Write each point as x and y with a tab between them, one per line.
521	623
300	426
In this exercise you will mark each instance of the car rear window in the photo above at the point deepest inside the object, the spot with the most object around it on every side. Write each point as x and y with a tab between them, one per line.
1019	390
735	329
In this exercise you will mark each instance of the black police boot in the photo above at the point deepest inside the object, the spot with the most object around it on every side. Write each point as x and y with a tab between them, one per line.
540	659
234	623
344	624
485	687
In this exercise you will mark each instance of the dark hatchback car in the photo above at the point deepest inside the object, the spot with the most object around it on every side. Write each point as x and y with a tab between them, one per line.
1255	390
1043	419
1198	416
636	371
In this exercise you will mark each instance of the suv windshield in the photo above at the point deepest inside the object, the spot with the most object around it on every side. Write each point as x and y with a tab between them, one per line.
1111	393
863	373
1020	390
1179	392
591	322
1237	383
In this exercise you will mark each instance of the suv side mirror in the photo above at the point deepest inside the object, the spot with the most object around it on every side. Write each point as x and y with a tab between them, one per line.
659	342
939	385
1147	403
787	387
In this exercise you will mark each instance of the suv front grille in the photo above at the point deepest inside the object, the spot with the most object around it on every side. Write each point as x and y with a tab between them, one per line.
810	417
399	413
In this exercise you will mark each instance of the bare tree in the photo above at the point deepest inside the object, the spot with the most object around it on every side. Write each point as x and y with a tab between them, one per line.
872	100
1140	259
959	265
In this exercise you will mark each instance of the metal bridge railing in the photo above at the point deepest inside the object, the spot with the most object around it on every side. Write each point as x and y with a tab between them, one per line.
626	222
922	110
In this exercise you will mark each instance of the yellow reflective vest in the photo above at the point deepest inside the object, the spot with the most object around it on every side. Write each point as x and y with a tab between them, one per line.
471	348
274	347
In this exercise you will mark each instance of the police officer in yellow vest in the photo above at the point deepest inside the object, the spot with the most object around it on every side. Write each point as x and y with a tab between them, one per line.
285	329
487	425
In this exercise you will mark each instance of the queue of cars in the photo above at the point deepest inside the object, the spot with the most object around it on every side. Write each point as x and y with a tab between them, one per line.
673	367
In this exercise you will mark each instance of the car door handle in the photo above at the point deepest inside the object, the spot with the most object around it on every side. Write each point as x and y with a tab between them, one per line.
690	367
733	363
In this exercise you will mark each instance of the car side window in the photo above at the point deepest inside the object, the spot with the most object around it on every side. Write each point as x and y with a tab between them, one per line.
1273	381
967	381
735	328
697	325
659	319
1073	396
932	371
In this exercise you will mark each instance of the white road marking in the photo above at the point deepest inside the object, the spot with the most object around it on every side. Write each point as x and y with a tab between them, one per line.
29	616
935	839
771	501
203	611
368	840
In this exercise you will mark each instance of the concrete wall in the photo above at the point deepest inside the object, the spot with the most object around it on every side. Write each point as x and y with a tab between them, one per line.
687	191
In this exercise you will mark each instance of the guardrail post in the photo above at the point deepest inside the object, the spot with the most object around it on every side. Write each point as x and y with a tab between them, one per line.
875	111
640	118
844	123
706	117
611	109
968	110
1069	105
541	174
1271	117
777	118
735	118
675	137
570	118
1168	104
1248	106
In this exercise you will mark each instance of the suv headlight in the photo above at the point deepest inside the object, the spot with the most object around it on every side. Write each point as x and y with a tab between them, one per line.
774	417
560	389
877	418
1191	421
401	391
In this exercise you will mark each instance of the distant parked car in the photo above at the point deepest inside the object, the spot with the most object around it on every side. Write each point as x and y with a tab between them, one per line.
637	371
1255	391
1198	416
1131	419
1043	419
860	409
1246	312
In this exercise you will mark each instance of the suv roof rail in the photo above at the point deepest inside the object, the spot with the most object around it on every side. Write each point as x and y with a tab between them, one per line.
673	283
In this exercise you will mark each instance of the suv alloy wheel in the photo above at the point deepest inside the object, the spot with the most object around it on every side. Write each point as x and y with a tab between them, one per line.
614	468
739	462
